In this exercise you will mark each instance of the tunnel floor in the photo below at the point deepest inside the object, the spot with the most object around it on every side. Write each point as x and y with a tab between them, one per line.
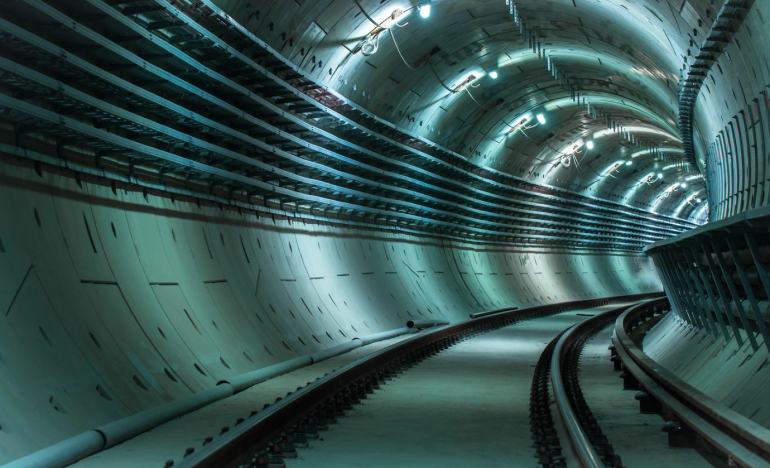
469	406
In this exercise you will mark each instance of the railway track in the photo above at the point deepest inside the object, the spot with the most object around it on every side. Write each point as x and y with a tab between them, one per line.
557	372
270	436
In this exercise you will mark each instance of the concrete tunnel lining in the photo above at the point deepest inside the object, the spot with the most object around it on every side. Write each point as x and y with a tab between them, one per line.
178	222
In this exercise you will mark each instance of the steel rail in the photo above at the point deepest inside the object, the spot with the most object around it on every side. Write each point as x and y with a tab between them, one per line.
744	442
113	433
268	425
581	446
580	442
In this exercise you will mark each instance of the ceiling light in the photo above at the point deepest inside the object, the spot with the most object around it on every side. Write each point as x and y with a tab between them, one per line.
541	119
424	9
370	44
684	185
628	163
590	145
660	175
493	75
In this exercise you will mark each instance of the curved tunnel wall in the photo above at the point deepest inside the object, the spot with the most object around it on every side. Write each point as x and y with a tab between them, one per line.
733	113
734	375
116	300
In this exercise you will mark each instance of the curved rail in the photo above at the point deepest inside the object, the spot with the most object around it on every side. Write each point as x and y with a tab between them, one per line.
578	440
742	441
268	433
564	361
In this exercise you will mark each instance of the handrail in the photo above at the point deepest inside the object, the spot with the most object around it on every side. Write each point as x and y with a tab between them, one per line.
745	442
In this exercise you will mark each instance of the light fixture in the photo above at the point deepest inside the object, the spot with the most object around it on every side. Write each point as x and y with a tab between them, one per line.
541	119
628	163
370	44
684	185
660	175
424	9
697	200
493	75
590	145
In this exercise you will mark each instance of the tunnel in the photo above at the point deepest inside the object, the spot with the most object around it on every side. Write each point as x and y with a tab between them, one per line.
337	233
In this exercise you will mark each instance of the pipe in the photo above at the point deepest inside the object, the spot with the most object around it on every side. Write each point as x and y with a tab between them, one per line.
420	324
249	379
103	437
384	335
64	453
492	312
764	307
337	350
123	429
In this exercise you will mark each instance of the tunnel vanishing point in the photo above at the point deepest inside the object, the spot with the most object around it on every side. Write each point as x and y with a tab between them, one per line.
375	233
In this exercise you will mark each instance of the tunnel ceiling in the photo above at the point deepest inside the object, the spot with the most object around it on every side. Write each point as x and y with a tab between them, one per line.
624	58
274	104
